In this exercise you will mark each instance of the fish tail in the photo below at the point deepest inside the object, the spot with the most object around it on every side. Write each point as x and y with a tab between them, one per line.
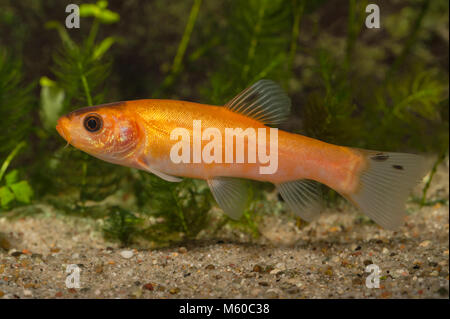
385	184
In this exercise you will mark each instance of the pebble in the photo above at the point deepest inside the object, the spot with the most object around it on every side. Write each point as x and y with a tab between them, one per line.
182	250
161	288
293	290
210	267
434	273
174	291
275	271
16	253
402	272
425	243
137	293
255	292
271	294
27	293
148	286
127	254
280	266
5	244
99	268
257	268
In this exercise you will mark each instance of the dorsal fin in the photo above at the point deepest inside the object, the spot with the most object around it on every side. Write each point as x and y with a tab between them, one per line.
264	101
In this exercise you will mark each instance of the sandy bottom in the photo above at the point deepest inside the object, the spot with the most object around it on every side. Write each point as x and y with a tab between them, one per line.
325	259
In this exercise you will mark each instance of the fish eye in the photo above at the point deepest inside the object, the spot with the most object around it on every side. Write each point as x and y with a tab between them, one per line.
93	123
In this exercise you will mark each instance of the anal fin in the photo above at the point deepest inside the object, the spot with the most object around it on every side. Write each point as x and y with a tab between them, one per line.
303	197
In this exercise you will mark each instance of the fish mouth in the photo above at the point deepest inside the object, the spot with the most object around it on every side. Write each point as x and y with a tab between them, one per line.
62	130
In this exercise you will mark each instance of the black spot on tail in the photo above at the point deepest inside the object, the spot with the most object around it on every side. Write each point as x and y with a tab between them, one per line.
380	157
399	167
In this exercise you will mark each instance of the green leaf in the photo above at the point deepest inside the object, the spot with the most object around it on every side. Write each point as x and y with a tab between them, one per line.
104	15
52	99
45	81
103	47
10	158
102	4
6	196
61	31
12	177
22	191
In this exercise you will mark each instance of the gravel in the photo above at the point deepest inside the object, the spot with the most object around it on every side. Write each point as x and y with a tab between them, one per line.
324	259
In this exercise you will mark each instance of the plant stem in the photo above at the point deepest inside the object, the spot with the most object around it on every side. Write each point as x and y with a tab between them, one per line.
93	33
254	41
440	159
179	212
177	61
351	34
84	81
176	66
10	158
412	37
295	32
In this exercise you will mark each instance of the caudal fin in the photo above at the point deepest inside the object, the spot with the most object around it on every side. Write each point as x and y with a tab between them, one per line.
385	185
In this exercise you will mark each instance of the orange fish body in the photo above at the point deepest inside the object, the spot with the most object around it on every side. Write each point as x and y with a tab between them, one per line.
139	134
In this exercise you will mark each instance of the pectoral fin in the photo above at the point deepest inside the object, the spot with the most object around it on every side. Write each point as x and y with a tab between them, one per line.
230	193
141	164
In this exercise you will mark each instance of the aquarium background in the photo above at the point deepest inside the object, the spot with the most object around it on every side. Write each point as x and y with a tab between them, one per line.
383	89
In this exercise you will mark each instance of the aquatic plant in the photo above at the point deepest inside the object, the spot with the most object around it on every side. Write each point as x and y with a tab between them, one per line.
80	71
16	104
383	89
13	190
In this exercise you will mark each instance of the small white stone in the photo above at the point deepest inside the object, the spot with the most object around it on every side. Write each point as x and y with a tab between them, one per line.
275	271
126	254
27	293
75	256
280	266
425	243
255	292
